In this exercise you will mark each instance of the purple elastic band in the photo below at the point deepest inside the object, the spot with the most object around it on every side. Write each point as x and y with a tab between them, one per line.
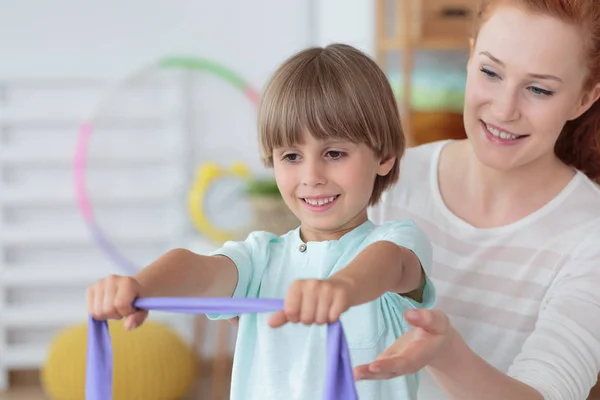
339	379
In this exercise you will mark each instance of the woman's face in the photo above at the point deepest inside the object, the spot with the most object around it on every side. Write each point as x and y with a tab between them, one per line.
524	81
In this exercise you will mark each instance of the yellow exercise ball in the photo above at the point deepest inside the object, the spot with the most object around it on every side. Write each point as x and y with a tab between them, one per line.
150	362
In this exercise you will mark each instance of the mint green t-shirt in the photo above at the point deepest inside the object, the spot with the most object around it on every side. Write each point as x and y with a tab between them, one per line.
289	362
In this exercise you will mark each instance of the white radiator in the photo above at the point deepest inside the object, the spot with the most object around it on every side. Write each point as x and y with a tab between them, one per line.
138	166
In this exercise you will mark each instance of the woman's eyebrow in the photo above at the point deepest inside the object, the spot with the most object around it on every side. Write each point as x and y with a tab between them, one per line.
533	75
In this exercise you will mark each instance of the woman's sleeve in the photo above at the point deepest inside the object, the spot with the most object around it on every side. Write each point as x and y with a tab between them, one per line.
561	357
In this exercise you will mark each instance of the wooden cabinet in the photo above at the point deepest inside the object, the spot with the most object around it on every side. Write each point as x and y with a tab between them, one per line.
447	20
405	26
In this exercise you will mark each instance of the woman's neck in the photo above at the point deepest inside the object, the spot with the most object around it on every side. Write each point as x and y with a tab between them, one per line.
489	197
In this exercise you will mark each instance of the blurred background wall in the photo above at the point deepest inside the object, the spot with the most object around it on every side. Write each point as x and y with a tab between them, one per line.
66	63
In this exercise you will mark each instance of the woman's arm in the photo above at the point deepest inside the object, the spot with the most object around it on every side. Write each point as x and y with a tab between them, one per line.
462	374
435	345
560	359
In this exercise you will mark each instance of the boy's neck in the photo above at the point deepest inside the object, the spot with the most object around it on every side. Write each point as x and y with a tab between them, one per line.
308	234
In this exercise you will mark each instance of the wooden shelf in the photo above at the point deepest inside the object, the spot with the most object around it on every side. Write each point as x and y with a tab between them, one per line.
436	43
421	25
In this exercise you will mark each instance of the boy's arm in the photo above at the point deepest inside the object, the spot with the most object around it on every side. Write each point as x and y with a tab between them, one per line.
182	273
381	267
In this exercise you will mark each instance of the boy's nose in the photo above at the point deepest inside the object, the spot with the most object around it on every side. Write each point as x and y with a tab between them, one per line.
313	175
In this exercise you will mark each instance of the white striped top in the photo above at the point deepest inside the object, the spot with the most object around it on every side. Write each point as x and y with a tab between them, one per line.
525	296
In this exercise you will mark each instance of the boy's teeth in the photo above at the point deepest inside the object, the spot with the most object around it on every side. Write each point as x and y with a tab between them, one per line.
501	134
320	202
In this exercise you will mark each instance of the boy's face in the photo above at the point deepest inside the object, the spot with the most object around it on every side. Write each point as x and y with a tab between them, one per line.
327	184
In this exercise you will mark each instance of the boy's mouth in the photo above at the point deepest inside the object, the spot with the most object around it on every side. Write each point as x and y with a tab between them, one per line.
320	201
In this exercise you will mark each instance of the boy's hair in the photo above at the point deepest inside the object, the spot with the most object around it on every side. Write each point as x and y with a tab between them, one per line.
332	92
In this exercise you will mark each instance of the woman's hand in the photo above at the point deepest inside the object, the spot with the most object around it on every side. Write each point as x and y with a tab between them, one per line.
414	350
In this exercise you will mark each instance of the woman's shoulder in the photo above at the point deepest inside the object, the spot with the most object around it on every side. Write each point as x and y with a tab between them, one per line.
414	183
418	163
581	196
591	188
422	155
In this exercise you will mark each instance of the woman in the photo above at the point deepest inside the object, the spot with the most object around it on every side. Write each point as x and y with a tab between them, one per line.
514	215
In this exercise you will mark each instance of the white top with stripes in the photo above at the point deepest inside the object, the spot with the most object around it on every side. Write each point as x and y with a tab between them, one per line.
525	296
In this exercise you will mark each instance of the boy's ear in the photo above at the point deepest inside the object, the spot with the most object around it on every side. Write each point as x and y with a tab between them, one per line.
386	165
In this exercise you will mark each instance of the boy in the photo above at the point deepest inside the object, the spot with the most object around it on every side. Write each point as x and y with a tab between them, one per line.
330	129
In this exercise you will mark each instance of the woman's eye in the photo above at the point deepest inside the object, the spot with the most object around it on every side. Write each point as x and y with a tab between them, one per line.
488	73
540	92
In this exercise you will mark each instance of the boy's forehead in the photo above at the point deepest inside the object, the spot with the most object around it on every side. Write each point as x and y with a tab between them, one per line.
307	138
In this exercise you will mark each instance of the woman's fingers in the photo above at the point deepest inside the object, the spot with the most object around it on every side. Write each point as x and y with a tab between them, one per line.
412	351
432	321
387	368
407	355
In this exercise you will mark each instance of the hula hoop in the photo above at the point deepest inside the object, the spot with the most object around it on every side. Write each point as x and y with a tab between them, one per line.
83	201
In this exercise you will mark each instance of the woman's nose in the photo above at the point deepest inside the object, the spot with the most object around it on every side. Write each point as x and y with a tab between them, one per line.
505	107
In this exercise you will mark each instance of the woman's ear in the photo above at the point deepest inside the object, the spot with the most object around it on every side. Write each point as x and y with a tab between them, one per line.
586	101
386	165
471	52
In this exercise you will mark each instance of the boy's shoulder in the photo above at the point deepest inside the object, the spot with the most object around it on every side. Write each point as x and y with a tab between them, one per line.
393	226
265	238
399	231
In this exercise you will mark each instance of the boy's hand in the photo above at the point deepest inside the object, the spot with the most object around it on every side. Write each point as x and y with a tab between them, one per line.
314	301
112	298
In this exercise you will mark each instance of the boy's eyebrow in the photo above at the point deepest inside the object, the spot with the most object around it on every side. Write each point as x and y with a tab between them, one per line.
284	148
537	76
337	141
326	142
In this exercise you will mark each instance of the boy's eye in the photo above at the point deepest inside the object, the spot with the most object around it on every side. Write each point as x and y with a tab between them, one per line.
290	157
335	154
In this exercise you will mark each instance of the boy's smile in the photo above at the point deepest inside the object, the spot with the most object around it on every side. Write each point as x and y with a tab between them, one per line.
320	203
327	184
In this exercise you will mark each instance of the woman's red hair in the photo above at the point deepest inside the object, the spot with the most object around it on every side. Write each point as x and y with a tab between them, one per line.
579	142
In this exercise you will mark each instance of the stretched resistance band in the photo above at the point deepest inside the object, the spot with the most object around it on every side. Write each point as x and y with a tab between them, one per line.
339	379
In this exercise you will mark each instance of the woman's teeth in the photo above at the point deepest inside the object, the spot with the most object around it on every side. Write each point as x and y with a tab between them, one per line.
320	202
501	134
